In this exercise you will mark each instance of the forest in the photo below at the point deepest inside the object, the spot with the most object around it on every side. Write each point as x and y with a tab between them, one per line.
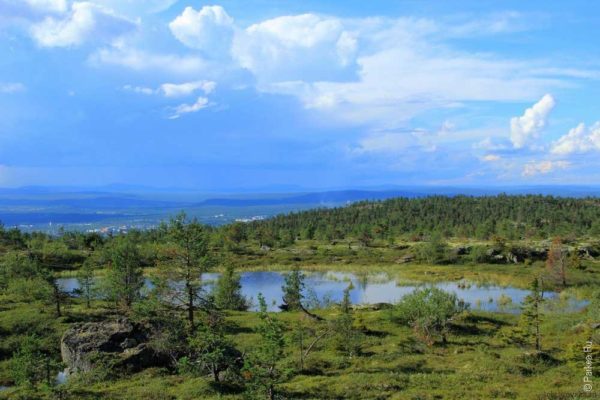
144	324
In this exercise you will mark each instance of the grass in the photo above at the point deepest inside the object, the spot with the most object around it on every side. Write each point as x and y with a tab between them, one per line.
480	360
477	363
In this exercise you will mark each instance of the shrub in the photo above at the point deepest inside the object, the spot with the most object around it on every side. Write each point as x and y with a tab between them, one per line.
428	311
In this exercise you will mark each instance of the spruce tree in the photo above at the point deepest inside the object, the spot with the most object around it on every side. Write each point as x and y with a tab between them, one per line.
228	291
262	367
124	279
292	290
531	315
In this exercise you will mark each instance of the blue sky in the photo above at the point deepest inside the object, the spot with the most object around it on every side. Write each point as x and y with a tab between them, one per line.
315	94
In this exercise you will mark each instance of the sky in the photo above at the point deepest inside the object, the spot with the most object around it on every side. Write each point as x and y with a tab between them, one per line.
311	94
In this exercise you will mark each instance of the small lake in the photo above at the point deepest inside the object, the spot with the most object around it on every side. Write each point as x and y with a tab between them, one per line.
328	287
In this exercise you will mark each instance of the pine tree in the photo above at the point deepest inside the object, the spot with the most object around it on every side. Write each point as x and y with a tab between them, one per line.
292	290
185	258
211	350
31	364
348	340
125	277
228	291
85	277
531	315
262	367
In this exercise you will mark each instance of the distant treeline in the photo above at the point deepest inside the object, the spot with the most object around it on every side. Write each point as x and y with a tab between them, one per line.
414	219
511	217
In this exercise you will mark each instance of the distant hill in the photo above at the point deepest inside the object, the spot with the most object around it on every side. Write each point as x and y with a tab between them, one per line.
322	198
37	207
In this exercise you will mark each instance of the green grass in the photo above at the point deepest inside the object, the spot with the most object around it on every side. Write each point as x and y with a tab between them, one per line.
477	363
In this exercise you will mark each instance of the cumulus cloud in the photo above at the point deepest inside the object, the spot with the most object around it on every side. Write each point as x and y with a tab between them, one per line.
201	103
85	22
527	127
543	167
210	30
381	71
580	139
11	87
306	47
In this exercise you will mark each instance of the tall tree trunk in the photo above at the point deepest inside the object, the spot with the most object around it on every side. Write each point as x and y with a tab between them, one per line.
190	308
57	299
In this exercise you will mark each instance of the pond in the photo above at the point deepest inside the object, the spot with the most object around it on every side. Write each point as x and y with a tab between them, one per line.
327	287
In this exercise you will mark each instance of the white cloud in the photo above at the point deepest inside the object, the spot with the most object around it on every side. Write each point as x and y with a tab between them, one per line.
543	167
175	89
139	60
579	140
396	84
12	87
306	47
377	71
201	103
527	127
491	158
85	22
210	30
185	89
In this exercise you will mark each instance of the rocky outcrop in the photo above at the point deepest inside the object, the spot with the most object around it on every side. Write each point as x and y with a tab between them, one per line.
125	342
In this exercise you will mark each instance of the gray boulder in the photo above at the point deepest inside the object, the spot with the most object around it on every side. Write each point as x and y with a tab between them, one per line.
124	342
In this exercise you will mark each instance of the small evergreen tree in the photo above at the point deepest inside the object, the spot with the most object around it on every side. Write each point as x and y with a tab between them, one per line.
435	251
531	315
348	339
228	291
262	367
292	290
210	349
186	256
31	365
85	277
124	278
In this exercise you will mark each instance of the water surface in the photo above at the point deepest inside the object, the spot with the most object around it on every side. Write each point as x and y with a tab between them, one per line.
327	287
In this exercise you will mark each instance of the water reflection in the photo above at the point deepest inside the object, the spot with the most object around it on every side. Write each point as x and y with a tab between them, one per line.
368	289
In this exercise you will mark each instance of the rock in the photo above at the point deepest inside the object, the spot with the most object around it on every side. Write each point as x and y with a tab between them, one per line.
462	250
120	338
